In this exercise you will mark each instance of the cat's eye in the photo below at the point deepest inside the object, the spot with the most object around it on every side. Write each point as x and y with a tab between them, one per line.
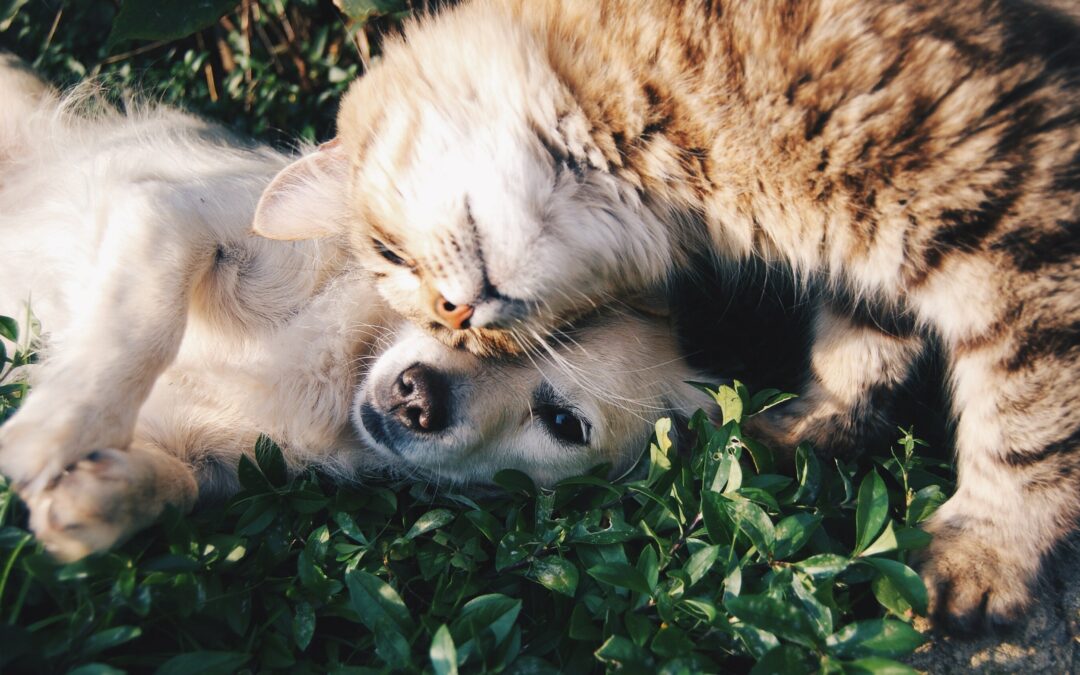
563	423
383	250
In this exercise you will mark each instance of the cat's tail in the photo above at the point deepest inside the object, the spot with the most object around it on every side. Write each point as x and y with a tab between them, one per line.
23	94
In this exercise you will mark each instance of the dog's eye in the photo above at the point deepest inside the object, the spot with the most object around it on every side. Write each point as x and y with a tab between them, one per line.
385	252
563	424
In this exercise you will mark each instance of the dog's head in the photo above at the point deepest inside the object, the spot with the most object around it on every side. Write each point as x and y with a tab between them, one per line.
591	398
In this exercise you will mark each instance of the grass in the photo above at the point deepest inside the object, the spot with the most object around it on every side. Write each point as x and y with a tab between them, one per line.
712	560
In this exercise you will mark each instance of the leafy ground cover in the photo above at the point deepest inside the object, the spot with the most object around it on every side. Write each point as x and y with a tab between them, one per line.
712	559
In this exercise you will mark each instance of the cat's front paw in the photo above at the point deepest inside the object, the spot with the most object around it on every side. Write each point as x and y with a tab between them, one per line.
974	585
102	498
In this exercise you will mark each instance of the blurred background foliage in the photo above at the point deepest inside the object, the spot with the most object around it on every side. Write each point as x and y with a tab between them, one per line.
273	69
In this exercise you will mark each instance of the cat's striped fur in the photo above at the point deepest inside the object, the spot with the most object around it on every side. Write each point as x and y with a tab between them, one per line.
532	158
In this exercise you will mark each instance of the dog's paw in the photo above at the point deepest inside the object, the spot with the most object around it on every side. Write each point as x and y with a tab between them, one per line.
974	586
101	499
32	452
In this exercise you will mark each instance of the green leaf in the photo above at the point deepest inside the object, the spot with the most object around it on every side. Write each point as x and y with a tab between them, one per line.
824	565
649	565
9	328
581	625
95	669
731	404
109	638
910	538
889	597
624	655
884	543
303	625
662	430
349	528
639	627
271	461
251	477
671	641
767	398
715	515
754	522
701	562
429	521
376	602
486	523
819	613
8	10
558	574
204	663
808	471
513	549
879	637
513	480
363	10
443	653
793	532
783	660
776	616
924	503
620	575
393	648
872	510
877	666
893	539
164	19
487	617
760	454
660	452
909	584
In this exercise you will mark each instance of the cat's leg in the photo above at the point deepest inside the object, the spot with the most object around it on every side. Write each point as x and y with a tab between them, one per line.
856	363
1018	455
129	319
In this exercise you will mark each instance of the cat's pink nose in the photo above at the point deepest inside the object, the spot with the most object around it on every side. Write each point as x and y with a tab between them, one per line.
451	315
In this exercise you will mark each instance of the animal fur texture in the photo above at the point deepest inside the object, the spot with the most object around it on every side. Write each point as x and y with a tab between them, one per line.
174	338
522	162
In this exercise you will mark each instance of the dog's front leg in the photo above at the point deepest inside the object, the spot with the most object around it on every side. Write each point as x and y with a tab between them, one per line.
129	319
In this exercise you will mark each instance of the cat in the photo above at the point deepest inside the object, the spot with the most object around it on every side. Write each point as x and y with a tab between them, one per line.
174	338
511	165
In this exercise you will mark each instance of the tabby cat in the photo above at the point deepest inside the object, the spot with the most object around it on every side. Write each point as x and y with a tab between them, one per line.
509	166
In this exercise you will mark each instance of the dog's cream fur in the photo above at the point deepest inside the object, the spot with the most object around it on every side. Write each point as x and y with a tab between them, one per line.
174	337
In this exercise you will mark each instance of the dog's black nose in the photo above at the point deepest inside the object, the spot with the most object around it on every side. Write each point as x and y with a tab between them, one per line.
419	399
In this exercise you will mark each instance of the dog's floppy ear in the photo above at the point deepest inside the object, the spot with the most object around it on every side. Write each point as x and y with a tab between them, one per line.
306	200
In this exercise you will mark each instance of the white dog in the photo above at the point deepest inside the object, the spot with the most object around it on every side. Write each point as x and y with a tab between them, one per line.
174	337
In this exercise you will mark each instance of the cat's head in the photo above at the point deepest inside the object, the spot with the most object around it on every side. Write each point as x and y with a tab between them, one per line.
450	417
467	180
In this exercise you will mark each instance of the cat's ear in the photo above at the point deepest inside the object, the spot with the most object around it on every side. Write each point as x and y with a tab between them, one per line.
306	200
